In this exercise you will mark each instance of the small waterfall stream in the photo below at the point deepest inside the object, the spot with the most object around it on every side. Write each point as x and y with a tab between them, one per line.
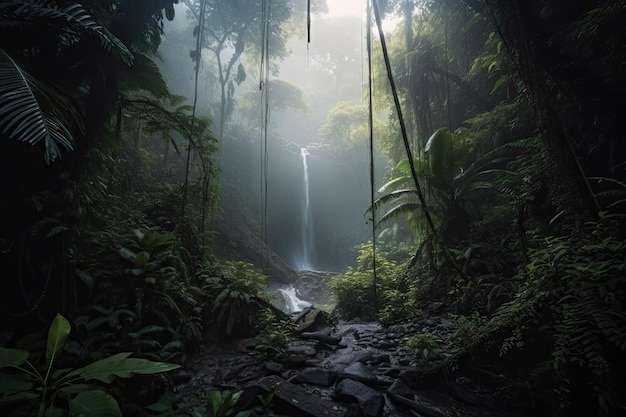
294	303
304	259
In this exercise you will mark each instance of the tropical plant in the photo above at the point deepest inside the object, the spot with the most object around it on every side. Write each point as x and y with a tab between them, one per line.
274	334
354	289
47	390
425	344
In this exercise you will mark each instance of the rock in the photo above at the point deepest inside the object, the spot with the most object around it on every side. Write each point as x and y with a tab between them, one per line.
359	372
399	388
291	400
384	344
274	367
380	358
316	376
370	400
305	348
322	335
385	381
310	321
295	361
402	394
348	356
463	389
181	376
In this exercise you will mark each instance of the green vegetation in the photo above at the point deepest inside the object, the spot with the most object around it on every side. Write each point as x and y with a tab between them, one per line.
49	390
130	210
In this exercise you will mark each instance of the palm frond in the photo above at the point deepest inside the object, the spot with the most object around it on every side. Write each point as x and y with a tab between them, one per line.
145	75
75	19
33	111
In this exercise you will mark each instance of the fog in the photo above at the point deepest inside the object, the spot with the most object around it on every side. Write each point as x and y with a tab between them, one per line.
262	176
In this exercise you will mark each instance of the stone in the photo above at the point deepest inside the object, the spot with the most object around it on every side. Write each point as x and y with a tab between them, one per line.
295	361
349	356
274	367
359	372
310	321
181	376
370	401
322	335
291	400
402	394
305	348
380	358
315	376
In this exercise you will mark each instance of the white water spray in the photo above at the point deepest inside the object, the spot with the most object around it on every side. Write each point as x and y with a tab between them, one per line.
294	303
304	261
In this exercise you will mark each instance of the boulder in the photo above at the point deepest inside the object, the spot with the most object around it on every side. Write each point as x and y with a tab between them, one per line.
359	372
310	320
291	400
370	401
322	335
315	376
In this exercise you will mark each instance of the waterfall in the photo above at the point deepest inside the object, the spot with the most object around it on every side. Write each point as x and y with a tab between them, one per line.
304	261
294	303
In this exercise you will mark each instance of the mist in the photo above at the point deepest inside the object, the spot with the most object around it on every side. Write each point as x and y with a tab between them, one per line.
262	175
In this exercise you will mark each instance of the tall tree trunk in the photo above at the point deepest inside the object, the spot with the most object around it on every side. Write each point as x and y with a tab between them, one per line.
520	26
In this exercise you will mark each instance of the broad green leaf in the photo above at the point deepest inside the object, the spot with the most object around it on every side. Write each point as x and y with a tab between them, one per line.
120	365
215	399
139	235
77	388
18	396
141	259
164	404
127	254
54	411
57	336
13	358
161	239
10	383
94	403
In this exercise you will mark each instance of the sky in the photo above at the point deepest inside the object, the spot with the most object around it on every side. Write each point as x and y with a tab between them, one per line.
338	8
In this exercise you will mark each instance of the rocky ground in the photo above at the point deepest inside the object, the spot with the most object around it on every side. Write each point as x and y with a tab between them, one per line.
353	369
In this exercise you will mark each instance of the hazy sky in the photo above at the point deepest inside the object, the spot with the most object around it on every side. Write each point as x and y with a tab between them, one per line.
344	7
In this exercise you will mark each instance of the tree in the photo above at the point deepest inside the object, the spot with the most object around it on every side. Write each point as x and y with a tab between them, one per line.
552	48
230	29
61	69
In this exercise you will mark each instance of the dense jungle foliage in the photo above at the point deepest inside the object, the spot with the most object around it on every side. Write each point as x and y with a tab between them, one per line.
504	206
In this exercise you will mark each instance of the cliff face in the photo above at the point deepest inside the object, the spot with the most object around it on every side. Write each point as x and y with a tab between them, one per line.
237	240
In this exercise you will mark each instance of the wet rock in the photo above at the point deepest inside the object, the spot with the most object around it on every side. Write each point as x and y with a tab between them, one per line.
305	348
359	372
274	368
349	356
463	389
316	376
295	361
291	400
384	344
311	321
322	335
181	376
370	401
380	358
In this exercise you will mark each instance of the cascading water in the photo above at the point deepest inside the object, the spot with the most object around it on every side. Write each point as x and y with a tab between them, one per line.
304	259
294	303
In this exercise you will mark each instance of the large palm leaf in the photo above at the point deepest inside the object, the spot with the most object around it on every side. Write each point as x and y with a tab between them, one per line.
33	111
73	18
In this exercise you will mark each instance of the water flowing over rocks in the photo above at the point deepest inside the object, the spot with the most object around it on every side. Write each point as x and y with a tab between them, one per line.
353	369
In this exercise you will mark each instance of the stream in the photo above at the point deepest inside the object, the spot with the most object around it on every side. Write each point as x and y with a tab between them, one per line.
351	369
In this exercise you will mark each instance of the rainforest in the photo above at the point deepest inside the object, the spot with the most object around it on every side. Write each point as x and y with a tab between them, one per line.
379	208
